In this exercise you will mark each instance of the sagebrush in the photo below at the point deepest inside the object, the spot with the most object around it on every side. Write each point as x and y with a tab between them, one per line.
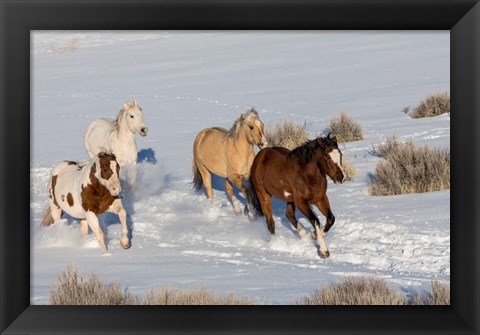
287	135
434	105
373	291
74	289
407	169
348	168
345	128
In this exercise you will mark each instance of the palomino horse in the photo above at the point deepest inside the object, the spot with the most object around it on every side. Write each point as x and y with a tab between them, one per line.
84	191
299	178
118	137
229	154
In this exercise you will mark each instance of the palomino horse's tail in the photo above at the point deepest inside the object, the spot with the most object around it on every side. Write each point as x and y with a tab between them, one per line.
253	198
197	177
47	218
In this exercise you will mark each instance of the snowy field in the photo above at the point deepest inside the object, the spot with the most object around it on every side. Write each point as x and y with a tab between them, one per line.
187	81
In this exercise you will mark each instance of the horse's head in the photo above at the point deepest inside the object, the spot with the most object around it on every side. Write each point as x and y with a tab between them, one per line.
134	118
107	172
332	157
254	129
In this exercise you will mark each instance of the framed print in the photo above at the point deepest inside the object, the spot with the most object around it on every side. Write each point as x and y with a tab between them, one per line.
184	82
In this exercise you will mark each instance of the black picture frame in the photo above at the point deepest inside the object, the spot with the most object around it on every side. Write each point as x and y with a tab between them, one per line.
19	17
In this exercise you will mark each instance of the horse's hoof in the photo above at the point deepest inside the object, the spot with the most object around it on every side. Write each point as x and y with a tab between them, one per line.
252	217
325	254
246	211
125	245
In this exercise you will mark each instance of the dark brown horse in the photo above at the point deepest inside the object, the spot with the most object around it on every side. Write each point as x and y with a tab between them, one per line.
298	177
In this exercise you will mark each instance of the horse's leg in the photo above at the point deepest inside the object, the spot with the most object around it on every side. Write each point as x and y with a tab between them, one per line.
92	221
207	180
132	174
56	212
290	214
324	207
238	182
84	227
117	208
265	200
304	207
235	202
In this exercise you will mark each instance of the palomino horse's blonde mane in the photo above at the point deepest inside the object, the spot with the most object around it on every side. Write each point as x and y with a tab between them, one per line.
235	130
121	112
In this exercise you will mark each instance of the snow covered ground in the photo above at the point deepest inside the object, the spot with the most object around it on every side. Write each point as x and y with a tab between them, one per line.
187	81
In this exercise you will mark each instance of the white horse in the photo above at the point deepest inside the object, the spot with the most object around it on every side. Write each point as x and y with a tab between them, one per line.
118	137
84	191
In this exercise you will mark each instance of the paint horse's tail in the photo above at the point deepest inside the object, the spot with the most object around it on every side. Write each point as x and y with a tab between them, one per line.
47	219
197	177
253	198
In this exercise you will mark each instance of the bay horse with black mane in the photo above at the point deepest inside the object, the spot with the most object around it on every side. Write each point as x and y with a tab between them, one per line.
298	177
84	191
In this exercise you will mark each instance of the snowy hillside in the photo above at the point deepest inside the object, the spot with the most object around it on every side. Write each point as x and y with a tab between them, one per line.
187	81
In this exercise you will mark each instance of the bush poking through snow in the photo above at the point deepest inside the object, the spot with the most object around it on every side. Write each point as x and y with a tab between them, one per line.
74	289
201	296
348	168
406	169
345	128
287	135
440	295
372	291
434	105
354	291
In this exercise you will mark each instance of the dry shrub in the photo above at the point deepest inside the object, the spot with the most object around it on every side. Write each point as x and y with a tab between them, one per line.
74	289
440	295
173	296
354	291
371	291
434	105
348	169
345	128
406	169
64	47
287	135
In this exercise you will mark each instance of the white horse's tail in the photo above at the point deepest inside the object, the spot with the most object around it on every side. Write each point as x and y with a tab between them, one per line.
47	218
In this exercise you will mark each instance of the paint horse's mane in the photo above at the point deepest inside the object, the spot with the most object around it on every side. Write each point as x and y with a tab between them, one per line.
235	129
306	151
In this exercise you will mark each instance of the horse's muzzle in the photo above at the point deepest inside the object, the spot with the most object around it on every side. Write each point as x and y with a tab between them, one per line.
339	179
263	145
115	189
143	131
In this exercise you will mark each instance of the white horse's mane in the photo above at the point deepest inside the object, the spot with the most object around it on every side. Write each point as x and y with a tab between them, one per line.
235	129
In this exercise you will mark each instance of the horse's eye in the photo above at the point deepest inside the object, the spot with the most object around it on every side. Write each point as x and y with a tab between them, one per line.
131	116
251	127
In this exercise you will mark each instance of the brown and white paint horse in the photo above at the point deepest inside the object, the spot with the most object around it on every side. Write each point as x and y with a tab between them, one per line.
84	191
299	178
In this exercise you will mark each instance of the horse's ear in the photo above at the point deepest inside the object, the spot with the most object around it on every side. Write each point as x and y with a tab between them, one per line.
334	139
321	143
126	105
134	103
